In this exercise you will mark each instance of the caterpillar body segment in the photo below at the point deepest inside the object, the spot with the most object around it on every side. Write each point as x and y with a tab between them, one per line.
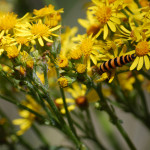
116	62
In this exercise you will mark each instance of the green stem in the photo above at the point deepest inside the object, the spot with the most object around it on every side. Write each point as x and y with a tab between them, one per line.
40	135
53	121
45	75
113	117
67	112
65	128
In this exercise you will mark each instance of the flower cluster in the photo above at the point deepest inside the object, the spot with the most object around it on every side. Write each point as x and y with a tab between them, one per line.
59	72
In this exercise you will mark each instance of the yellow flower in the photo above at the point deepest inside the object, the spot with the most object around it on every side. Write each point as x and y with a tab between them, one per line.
88	48
81	68
142	51
62	61
106	15
52	20
12	51
7	22
27	117
47	10
75	54
63	82
38	31
79	97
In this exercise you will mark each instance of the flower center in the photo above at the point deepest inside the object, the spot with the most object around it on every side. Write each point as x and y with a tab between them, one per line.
82	102
86	46
103	14
111	1
40	29
142	48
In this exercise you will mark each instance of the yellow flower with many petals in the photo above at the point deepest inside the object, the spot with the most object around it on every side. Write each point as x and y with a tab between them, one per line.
62	61
142	51
106	15
38	31
7	22
88	48
12	51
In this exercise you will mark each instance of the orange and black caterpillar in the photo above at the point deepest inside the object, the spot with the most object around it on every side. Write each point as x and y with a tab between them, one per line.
116	62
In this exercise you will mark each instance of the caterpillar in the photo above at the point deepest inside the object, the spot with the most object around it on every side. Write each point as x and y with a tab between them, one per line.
116	62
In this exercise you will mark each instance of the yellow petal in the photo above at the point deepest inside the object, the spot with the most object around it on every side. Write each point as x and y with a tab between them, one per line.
46	39
135	63
140	64
55	28
105	34
18	121
71	107
112	76
115	20
83	23
124	29
41	41
146	60
112	26
88	63
93	59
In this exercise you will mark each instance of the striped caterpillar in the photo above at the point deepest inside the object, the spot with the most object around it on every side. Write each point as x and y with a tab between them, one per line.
115	62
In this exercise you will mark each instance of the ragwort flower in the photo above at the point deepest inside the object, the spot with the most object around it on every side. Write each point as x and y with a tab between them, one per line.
142	51
106	15
38	31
